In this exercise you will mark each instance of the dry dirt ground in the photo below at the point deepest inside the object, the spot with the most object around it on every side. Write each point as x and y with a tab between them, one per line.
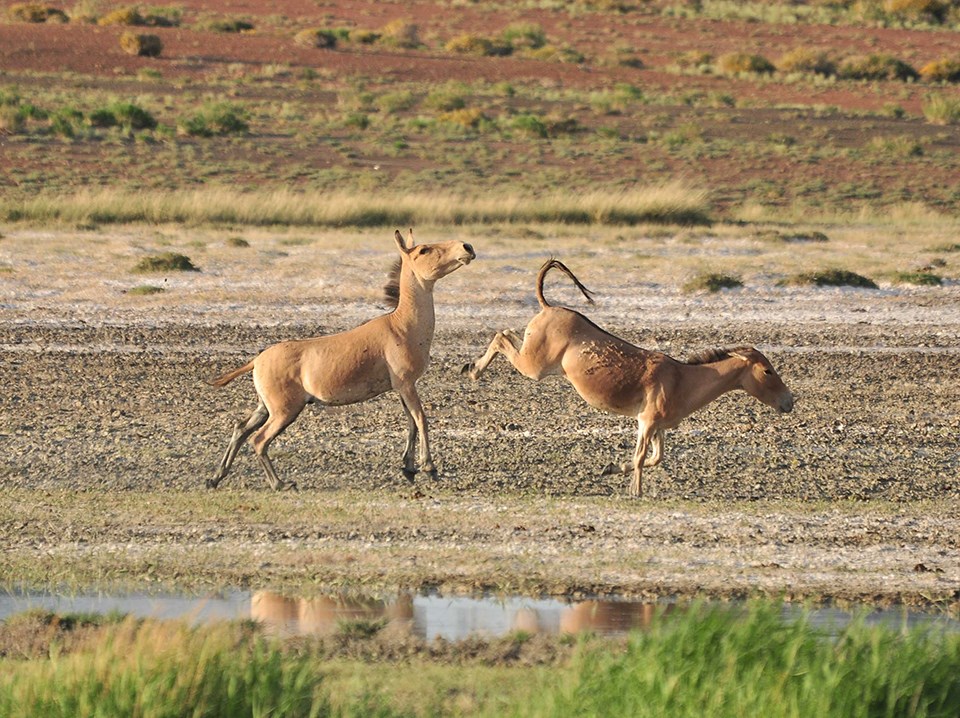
853	495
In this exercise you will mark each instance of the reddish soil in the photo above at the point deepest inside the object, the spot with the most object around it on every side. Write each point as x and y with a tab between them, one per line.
656	40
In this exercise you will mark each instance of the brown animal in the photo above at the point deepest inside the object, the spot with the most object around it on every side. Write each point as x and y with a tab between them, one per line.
613	375
388	353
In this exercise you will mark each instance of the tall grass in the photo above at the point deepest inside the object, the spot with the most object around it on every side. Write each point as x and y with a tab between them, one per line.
161	670
717	662
672	203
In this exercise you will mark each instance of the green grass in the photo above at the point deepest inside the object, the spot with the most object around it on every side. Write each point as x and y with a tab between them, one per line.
701	661
718	664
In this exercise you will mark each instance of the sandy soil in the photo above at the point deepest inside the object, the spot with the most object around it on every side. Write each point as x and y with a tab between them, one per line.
854	495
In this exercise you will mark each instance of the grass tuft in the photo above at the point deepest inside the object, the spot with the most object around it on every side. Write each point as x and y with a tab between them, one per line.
832	278
922	279
712	282
736	63
877	66
145	290
166	262
941	109
140	44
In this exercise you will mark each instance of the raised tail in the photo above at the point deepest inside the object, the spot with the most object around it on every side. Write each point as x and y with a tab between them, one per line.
547	266
231	375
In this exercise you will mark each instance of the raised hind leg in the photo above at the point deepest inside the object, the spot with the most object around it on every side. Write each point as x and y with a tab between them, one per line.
500	344
280	418
241	430
525	355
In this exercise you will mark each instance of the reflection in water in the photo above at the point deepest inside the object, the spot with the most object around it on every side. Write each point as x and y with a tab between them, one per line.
426	615
319	616
451	618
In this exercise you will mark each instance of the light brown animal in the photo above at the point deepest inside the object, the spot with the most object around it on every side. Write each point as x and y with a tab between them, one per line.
613	375
388	353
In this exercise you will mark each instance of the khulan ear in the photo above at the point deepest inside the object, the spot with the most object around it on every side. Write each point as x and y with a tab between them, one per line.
739	355
401	245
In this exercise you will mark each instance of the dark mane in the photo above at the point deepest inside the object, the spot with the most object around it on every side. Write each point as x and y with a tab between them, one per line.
708	356
391	290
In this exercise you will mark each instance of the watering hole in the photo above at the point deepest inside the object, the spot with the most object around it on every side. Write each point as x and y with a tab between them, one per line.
429	615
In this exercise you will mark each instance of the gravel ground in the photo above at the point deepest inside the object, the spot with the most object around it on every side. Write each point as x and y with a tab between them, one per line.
854	494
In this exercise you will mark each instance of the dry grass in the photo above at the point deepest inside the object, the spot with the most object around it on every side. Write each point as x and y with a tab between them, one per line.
672	203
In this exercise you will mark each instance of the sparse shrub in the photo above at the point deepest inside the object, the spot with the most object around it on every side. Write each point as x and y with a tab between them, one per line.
524	36
466	117
359	120
237	242
447	98
693	59
364	37
736	63
132	116
65	121
102	118
35	12
798	237
942	70
807	60
400	33
12	120
931	11
145	290
555	54
160	17
122	16
924	279
166	262
218	118
712	282
316	37
903	146
878	66
469	44
228	26
891	109
396	101
557	125
143	45
941	110
530	124
833	278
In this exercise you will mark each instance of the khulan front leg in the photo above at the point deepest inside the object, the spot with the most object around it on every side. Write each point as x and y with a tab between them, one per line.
410	451
411	402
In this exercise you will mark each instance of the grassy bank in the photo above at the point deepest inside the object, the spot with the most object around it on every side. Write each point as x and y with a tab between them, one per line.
671	203
717	662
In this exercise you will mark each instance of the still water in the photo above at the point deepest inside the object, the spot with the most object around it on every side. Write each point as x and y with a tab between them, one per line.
427	615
